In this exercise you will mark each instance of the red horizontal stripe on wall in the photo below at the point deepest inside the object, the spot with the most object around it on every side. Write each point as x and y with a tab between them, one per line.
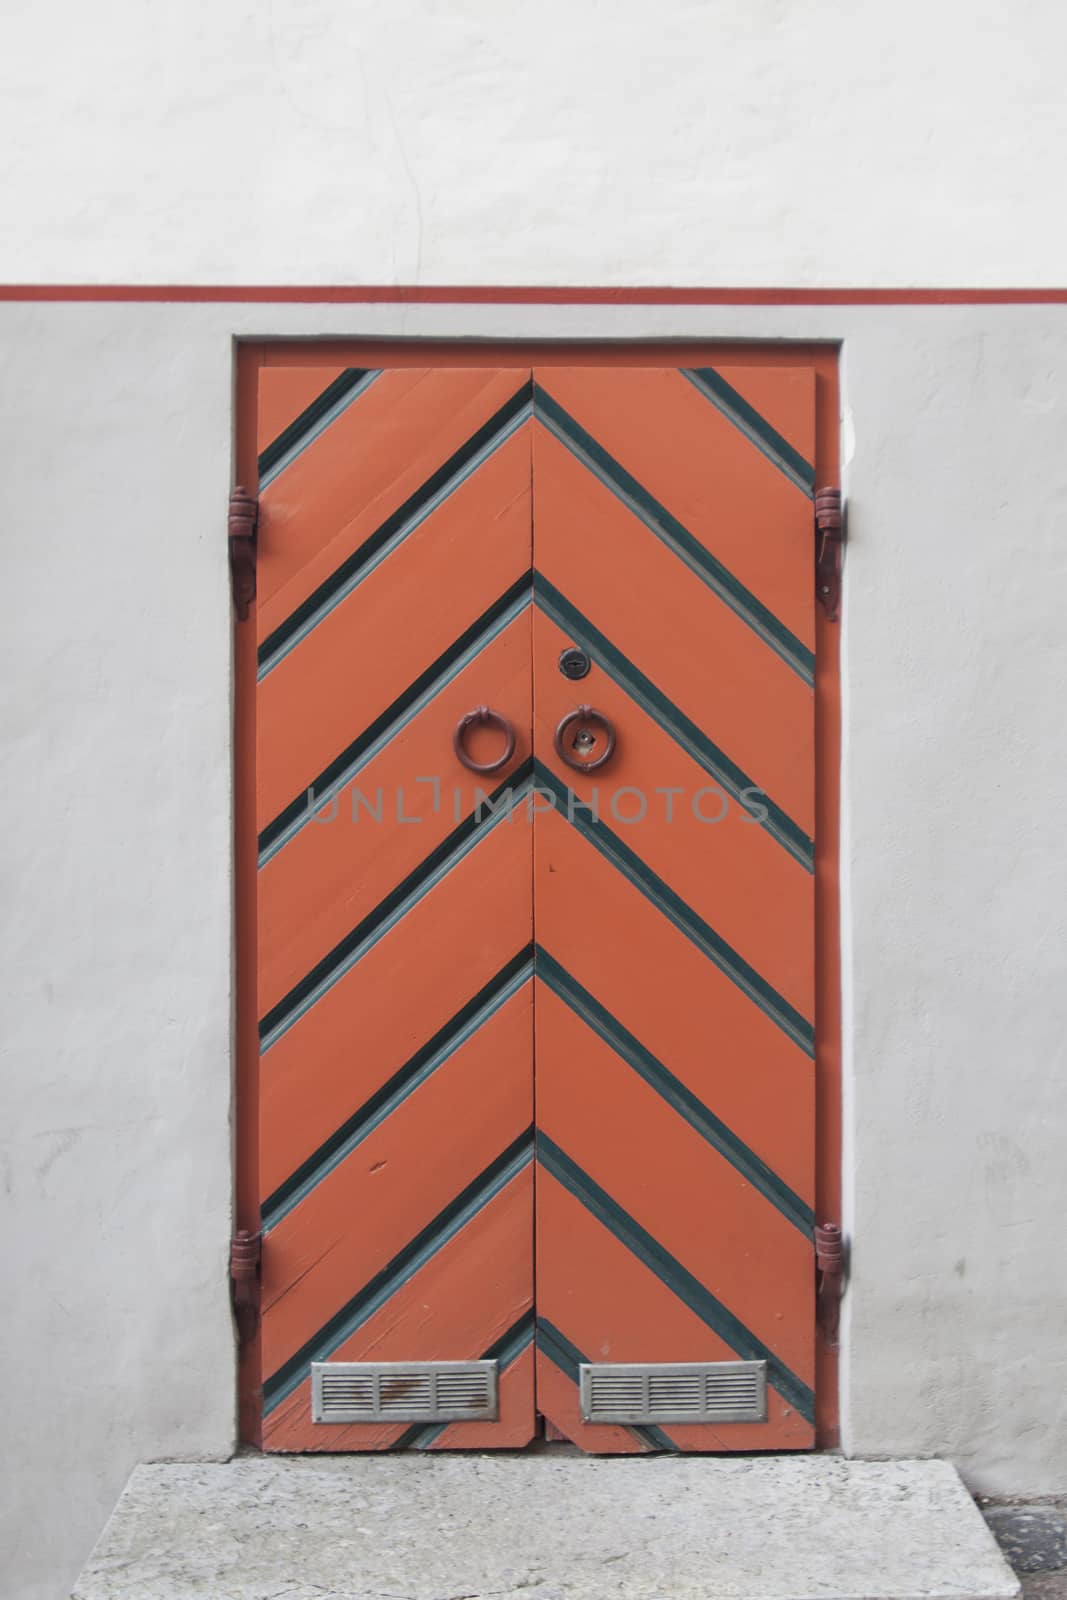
466	295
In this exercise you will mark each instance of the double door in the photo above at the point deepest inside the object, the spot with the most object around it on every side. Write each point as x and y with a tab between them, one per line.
534	775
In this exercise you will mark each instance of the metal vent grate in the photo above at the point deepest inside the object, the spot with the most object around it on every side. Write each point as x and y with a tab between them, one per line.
706	1391
403	1391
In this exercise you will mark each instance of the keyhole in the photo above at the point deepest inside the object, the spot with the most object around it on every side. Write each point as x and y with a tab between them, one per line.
584	742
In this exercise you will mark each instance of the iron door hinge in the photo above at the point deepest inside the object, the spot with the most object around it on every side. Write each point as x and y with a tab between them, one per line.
829	1279
829	550
246	1252
244	515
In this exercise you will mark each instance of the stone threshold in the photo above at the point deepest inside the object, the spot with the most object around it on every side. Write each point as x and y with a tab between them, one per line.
546	1527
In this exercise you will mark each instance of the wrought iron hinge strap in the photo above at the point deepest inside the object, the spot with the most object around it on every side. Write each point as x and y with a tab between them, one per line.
246	1251
829	1279
830	535
244	514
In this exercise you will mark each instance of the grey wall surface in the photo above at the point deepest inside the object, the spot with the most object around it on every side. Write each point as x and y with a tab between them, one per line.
117	947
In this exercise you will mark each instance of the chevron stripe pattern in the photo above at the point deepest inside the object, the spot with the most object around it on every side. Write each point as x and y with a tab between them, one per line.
536	1049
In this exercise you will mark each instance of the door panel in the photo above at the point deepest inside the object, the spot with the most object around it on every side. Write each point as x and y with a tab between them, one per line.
655	980
610	969
348	849
374	1025
359	480
748	435
753	891
673	1040
632	1135
403	626
437	1307
665	626
394	907
403	1169
599	1282
603	1282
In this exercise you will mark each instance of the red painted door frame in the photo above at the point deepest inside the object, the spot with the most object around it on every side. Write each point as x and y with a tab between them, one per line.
823	358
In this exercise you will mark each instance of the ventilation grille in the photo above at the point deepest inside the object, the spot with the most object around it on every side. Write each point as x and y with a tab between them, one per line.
707	1391
403	1391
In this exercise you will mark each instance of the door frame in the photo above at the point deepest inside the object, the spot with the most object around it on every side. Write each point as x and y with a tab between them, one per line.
821	357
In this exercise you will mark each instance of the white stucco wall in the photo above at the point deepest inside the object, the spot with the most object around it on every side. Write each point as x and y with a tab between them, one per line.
567	141
115	962
115	948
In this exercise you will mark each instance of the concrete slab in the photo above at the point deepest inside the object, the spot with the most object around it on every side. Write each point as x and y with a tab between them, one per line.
545	1528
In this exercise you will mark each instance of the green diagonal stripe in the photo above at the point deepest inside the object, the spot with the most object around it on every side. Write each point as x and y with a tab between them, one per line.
678	1279
677	1095
568	1358
671	532
756	429
312	421
671	904
693	740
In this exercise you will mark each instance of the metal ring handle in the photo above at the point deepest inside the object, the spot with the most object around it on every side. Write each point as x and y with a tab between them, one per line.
483	717
585	714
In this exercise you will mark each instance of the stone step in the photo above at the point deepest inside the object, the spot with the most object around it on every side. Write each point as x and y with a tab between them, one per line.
546	1527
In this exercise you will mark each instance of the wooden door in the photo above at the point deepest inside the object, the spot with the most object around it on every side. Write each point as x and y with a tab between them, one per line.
394	908
612	968
673	891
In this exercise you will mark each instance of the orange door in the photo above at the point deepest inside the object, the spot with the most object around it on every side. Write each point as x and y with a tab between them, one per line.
606	961
395	925
673	902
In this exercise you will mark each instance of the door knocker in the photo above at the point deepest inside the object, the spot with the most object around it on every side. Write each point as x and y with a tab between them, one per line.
483	717
569	746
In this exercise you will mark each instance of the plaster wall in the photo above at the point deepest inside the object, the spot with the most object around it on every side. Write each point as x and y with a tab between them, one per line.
569	141
115	958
